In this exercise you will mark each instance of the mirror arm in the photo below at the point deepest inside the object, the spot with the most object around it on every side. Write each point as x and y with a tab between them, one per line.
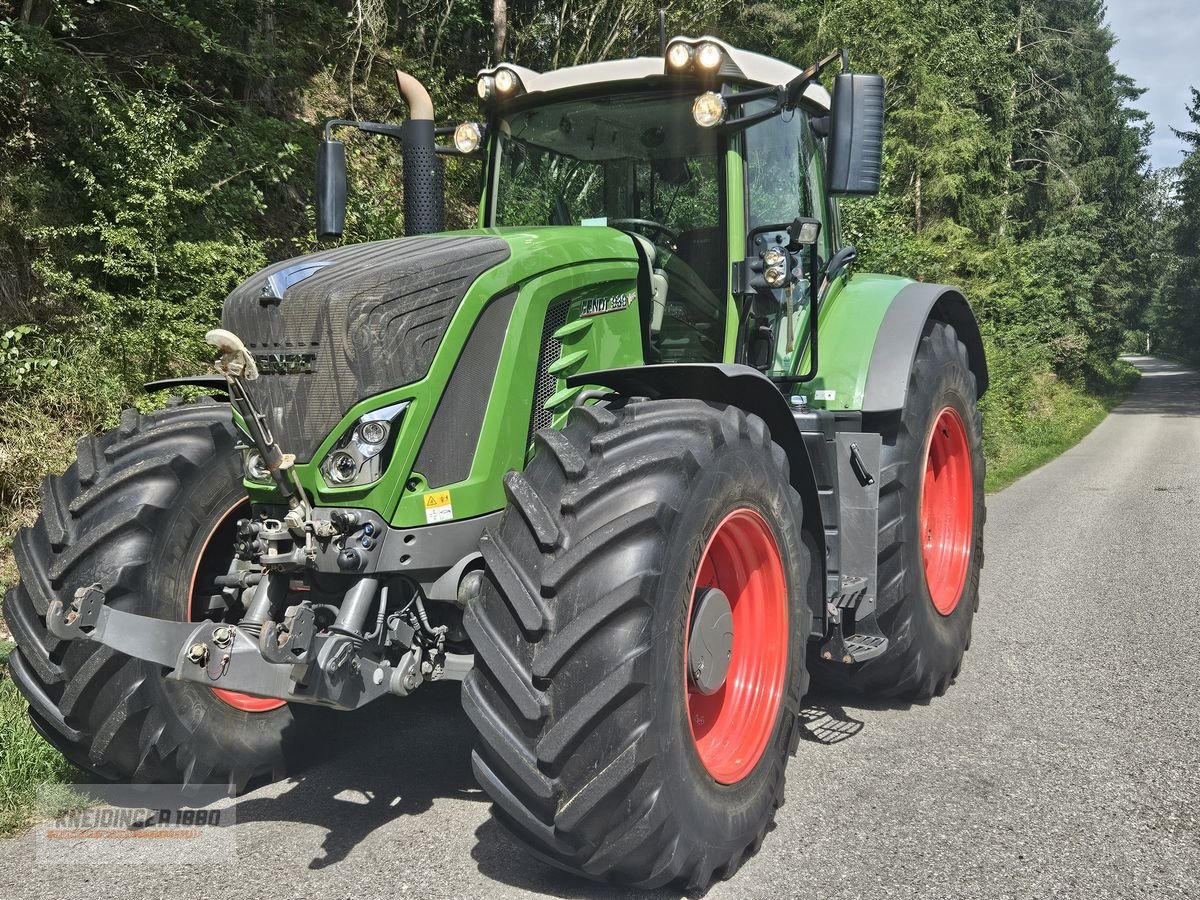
775	93
795	88
392	131
396	133
786	96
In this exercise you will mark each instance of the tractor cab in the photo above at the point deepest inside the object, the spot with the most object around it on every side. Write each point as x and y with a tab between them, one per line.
691	154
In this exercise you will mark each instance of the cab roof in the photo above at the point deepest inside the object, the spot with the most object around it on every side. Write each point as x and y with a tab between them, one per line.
737	66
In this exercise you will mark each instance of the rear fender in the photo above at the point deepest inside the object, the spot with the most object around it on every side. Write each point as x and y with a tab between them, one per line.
870	328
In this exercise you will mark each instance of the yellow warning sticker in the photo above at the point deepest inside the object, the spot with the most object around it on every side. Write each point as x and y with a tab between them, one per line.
438	507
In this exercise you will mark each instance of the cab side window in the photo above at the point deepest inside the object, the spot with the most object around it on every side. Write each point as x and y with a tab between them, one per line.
785	174
784	179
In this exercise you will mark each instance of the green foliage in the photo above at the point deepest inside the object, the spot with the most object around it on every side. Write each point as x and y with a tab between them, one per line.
18	362
27	762
1173	317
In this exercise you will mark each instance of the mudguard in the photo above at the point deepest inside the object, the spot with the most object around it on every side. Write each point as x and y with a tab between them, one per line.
208	382
870	326
900	332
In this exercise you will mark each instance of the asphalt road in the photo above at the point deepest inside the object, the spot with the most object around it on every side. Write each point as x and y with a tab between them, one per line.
1064	762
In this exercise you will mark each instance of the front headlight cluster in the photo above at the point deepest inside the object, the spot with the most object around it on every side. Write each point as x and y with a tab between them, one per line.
361	454
358	458
705	57
775	267
501	83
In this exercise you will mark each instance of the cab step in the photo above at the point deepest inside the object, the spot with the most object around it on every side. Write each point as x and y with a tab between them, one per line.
866	643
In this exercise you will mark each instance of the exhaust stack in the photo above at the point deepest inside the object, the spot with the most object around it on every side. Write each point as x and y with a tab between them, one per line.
423	198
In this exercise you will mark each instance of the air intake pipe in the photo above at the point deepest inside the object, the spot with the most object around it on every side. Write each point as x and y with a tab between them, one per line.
423	202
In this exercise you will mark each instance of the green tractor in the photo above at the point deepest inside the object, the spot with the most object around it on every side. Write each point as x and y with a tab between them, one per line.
632	460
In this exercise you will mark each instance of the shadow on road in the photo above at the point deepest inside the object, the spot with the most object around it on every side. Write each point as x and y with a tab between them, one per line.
393	758
501	858
823	721
396	758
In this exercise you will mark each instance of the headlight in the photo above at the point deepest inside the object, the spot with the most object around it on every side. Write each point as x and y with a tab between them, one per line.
255	468
708	56
775	276
485	87
679	55
364	450
708	109
373	432
467	137
506	81
342	467
774	257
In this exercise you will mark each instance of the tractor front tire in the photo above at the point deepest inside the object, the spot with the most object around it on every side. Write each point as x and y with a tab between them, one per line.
931	515
147	510
601	749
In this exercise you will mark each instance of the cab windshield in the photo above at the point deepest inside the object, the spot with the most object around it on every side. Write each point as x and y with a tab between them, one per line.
637	162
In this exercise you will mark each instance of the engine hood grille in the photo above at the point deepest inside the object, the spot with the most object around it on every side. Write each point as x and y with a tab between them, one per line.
331	329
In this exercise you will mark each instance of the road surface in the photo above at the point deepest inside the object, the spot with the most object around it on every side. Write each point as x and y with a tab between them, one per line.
1064	762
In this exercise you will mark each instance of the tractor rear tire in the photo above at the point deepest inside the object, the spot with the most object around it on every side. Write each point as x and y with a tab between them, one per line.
136	512
595	745
931	516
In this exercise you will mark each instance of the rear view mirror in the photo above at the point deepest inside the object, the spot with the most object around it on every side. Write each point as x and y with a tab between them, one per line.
331	189
856	134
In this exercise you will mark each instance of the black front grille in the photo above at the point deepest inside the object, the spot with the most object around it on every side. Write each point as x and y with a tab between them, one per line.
547	382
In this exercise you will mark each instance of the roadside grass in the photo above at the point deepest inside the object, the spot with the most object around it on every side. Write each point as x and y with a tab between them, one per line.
27	762
1057	417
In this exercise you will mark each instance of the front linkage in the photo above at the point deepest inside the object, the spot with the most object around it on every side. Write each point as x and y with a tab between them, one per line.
340	656
342	666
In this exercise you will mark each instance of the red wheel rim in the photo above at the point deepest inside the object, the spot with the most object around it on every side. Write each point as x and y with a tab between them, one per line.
244	702
731	727
947	510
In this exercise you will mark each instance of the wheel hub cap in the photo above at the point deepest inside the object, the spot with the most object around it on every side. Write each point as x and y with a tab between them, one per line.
710	643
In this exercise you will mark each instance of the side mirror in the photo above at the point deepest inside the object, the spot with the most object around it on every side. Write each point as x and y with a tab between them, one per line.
331	189
856	134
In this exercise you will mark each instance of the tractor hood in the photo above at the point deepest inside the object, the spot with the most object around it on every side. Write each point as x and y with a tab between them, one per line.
332	328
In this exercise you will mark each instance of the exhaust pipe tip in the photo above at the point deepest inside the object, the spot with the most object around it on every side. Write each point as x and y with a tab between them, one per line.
420	104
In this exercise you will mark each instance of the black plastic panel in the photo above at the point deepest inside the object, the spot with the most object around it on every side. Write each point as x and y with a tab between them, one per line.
449	447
